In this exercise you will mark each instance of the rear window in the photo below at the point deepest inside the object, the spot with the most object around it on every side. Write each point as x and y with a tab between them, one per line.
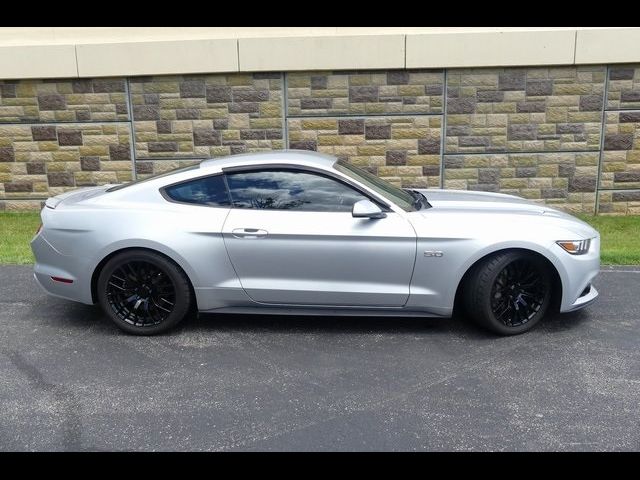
210	191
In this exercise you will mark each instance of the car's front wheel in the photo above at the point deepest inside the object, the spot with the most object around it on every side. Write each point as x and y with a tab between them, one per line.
143	292
509	292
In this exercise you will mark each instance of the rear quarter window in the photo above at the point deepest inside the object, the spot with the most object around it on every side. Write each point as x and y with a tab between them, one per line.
210	191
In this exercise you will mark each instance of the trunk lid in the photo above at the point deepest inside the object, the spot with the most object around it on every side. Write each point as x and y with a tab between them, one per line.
75	196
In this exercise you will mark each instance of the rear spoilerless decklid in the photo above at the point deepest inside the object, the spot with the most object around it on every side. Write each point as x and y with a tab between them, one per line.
75	196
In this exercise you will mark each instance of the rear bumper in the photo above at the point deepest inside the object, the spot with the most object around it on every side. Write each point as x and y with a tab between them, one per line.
51	263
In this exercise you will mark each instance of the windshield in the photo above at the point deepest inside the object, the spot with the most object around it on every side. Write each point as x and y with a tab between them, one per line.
400	197
152	177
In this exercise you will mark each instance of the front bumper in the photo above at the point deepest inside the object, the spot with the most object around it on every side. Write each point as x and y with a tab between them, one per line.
587	299
577	277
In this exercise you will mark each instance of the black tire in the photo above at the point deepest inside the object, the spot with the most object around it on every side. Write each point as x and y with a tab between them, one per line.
508	293
144	293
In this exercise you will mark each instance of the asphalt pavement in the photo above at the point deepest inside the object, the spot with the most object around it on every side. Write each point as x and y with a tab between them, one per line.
69	380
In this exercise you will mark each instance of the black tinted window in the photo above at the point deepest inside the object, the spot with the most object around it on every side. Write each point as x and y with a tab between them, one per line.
202	191
290	190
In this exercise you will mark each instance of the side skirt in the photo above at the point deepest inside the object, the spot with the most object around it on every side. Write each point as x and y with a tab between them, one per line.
324	312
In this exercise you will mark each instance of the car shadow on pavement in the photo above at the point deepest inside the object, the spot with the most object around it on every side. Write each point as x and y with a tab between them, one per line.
336	324
78	316
560	322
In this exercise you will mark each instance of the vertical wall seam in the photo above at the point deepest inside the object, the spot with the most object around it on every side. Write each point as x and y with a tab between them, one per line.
132	142
603	121
575	45
405	51
285	112
75	51
238	52
443	132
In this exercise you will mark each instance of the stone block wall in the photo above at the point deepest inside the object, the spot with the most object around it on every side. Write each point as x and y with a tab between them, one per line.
404	150
514	110
206	116
564	136
365	93
533	132
619	187
97	100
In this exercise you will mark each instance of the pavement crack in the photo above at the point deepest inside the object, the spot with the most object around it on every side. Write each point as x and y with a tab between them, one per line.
63	397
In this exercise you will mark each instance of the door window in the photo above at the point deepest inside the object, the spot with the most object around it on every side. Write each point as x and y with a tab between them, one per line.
290	190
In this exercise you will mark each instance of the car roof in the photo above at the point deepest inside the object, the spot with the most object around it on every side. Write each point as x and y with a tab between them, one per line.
298	157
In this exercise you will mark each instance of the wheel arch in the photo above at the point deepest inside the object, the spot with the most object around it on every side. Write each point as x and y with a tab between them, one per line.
98	268
556	289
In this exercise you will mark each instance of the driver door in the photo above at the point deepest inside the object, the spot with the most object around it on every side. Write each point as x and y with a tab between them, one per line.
293	241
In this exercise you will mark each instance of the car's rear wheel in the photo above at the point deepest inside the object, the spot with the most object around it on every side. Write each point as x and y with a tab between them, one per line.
143	292
509	292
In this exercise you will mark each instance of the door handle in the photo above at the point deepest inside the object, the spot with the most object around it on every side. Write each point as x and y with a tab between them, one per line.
249	233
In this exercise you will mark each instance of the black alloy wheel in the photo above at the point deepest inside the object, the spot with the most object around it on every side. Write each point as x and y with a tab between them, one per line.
518	293
143	292
508	292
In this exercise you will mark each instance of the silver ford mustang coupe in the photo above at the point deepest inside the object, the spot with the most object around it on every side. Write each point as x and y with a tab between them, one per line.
298	232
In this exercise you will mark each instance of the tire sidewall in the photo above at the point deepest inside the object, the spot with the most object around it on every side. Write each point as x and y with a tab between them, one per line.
183	300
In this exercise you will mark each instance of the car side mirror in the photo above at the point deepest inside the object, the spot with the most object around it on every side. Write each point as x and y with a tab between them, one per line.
367	209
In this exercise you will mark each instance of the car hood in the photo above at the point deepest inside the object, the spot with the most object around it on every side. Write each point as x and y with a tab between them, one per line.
466	202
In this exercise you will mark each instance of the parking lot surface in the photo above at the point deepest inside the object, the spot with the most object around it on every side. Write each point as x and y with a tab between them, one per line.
72	381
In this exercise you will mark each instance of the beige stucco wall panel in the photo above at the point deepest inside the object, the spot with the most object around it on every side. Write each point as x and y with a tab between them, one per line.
485	49
157	58
50	52
321	53
614	45
38	61
81	35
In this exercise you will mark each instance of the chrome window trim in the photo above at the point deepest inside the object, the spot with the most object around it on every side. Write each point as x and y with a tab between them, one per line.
384	205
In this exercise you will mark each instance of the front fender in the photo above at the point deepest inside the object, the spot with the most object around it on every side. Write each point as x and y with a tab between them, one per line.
436	279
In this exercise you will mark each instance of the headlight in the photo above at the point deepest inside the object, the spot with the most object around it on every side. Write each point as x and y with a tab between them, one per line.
575	247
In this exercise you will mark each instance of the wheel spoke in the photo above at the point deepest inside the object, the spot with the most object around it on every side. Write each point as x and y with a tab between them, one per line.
161	307
506	308
132	273
119	287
